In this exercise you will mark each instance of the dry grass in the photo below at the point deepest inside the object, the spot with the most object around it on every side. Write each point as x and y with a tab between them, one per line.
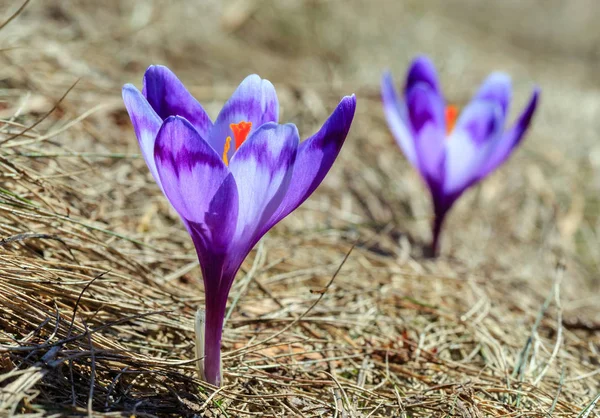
99	282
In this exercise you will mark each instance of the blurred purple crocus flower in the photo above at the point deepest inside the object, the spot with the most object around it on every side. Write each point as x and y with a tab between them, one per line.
452	151
232	180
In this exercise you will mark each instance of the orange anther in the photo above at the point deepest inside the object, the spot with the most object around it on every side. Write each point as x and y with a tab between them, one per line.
240	132
451	116
226	150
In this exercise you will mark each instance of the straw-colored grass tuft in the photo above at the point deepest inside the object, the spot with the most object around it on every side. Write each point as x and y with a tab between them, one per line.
337	312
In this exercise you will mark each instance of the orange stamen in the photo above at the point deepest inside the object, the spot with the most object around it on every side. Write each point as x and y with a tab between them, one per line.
240	132
226	150
451	116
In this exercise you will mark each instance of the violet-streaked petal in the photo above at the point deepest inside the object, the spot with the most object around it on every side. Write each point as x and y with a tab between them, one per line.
397	118
262	169
197	183
496	88
431	150
424	106
168	97
146	124
422	70
315	158
255	101
512	137
461	154
481	121
476	134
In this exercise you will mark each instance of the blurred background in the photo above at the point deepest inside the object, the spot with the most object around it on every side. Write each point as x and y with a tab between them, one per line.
505	238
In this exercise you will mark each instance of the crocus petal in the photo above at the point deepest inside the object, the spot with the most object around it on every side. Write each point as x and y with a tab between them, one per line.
431	151
255	101
512	137
169	97
460	154
496	88
425	106
422	70
475	135
397	118
262	168
146	124
197	183
481	121
315	158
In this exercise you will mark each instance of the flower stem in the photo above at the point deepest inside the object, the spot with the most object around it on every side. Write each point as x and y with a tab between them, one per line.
436	230
213	331
209	323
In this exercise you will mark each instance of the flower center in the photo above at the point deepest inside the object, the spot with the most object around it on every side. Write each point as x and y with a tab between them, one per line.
240	133
451	116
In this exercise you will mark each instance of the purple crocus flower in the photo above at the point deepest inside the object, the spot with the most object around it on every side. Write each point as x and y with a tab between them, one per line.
451	151
232	180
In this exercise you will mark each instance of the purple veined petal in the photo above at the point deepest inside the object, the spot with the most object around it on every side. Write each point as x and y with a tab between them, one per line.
460	167
262	169
425	106
481	121
315	158
255	101
168	97
512	137
497	88
146	124
423	96
397	118
422	70
431	152
476	134
197	183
